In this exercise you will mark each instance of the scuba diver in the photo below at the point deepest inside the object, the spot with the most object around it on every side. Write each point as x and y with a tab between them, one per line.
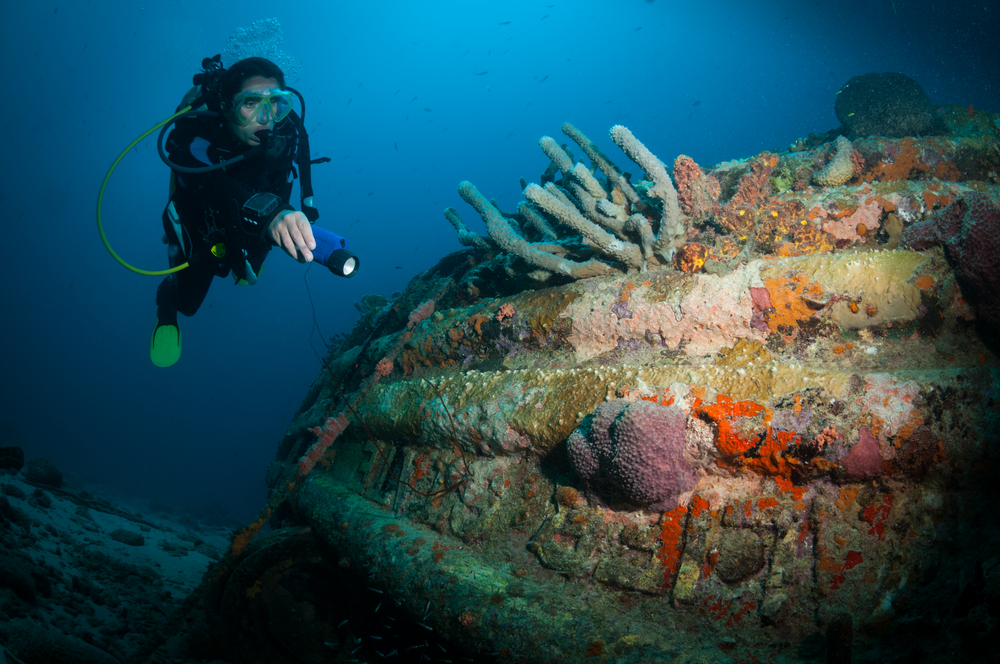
233	159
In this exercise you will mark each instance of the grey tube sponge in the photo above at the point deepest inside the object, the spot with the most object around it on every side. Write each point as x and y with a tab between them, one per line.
587	180
555	152
639	225
465	236
530	214
672	223
605	242
602	162
510	241
614	219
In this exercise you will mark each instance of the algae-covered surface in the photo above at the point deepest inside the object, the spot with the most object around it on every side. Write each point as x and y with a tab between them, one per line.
839	399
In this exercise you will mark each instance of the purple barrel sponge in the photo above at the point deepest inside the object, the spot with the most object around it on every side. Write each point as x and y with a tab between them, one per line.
969	230
632	454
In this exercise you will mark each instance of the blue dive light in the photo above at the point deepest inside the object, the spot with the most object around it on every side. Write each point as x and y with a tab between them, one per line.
331	251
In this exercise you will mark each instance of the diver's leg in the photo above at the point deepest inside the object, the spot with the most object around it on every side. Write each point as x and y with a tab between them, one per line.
181	291
165	344
190	288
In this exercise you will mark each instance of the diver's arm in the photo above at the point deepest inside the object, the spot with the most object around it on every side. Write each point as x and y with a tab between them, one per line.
292	232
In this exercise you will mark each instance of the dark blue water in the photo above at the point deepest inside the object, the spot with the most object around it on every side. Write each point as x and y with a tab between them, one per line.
398	100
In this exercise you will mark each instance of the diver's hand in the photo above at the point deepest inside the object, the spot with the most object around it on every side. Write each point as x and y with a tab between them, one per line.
293	233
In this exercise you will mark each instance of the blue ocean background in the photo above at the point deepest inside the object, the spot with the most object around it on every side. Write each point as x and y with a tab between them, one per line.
407	99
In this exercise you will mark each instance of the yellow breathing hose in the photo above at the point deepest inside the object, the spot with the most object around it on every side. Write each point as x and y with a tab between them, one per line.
100	198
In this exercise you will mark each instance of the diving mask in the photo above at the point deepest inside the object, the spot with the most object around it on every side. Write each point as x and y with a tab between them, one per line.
264	106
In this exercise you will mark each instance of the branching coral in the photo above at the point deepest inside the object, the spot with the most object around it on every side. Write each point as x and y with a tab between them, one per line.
614	220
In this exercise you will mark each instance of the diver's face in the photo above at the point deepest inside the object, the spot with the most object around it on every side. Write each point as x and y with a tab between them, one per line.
245	132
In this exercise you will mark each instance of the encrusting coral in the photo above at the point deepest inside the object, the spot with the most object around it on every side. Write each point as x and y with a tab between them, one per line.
614	220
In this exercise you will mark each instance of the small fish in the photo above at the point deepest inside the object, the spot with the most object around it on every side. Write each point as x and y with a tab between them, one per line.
371	193
487	88
395	146
413	100
510	134
504	22
396	92
428	110
543	78
400	267
360	84
850	114
480	73
544	17
349	101
637	29
696	103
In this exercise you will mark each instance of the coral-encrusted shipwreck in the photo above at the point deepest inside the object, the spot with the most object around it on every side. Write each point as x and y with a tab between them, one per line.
785	450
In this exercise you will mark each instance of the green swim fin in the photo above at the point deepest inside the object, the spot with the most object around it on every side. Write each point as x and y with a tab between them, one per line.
165	345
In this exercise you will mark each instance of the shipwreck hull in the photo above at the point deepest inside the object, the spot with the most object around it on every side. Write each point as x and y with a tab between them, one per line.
845	468
768	434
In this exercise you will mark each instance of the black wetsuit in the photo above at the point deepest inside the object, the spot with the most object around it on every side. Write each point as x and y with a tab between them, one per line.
207	207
